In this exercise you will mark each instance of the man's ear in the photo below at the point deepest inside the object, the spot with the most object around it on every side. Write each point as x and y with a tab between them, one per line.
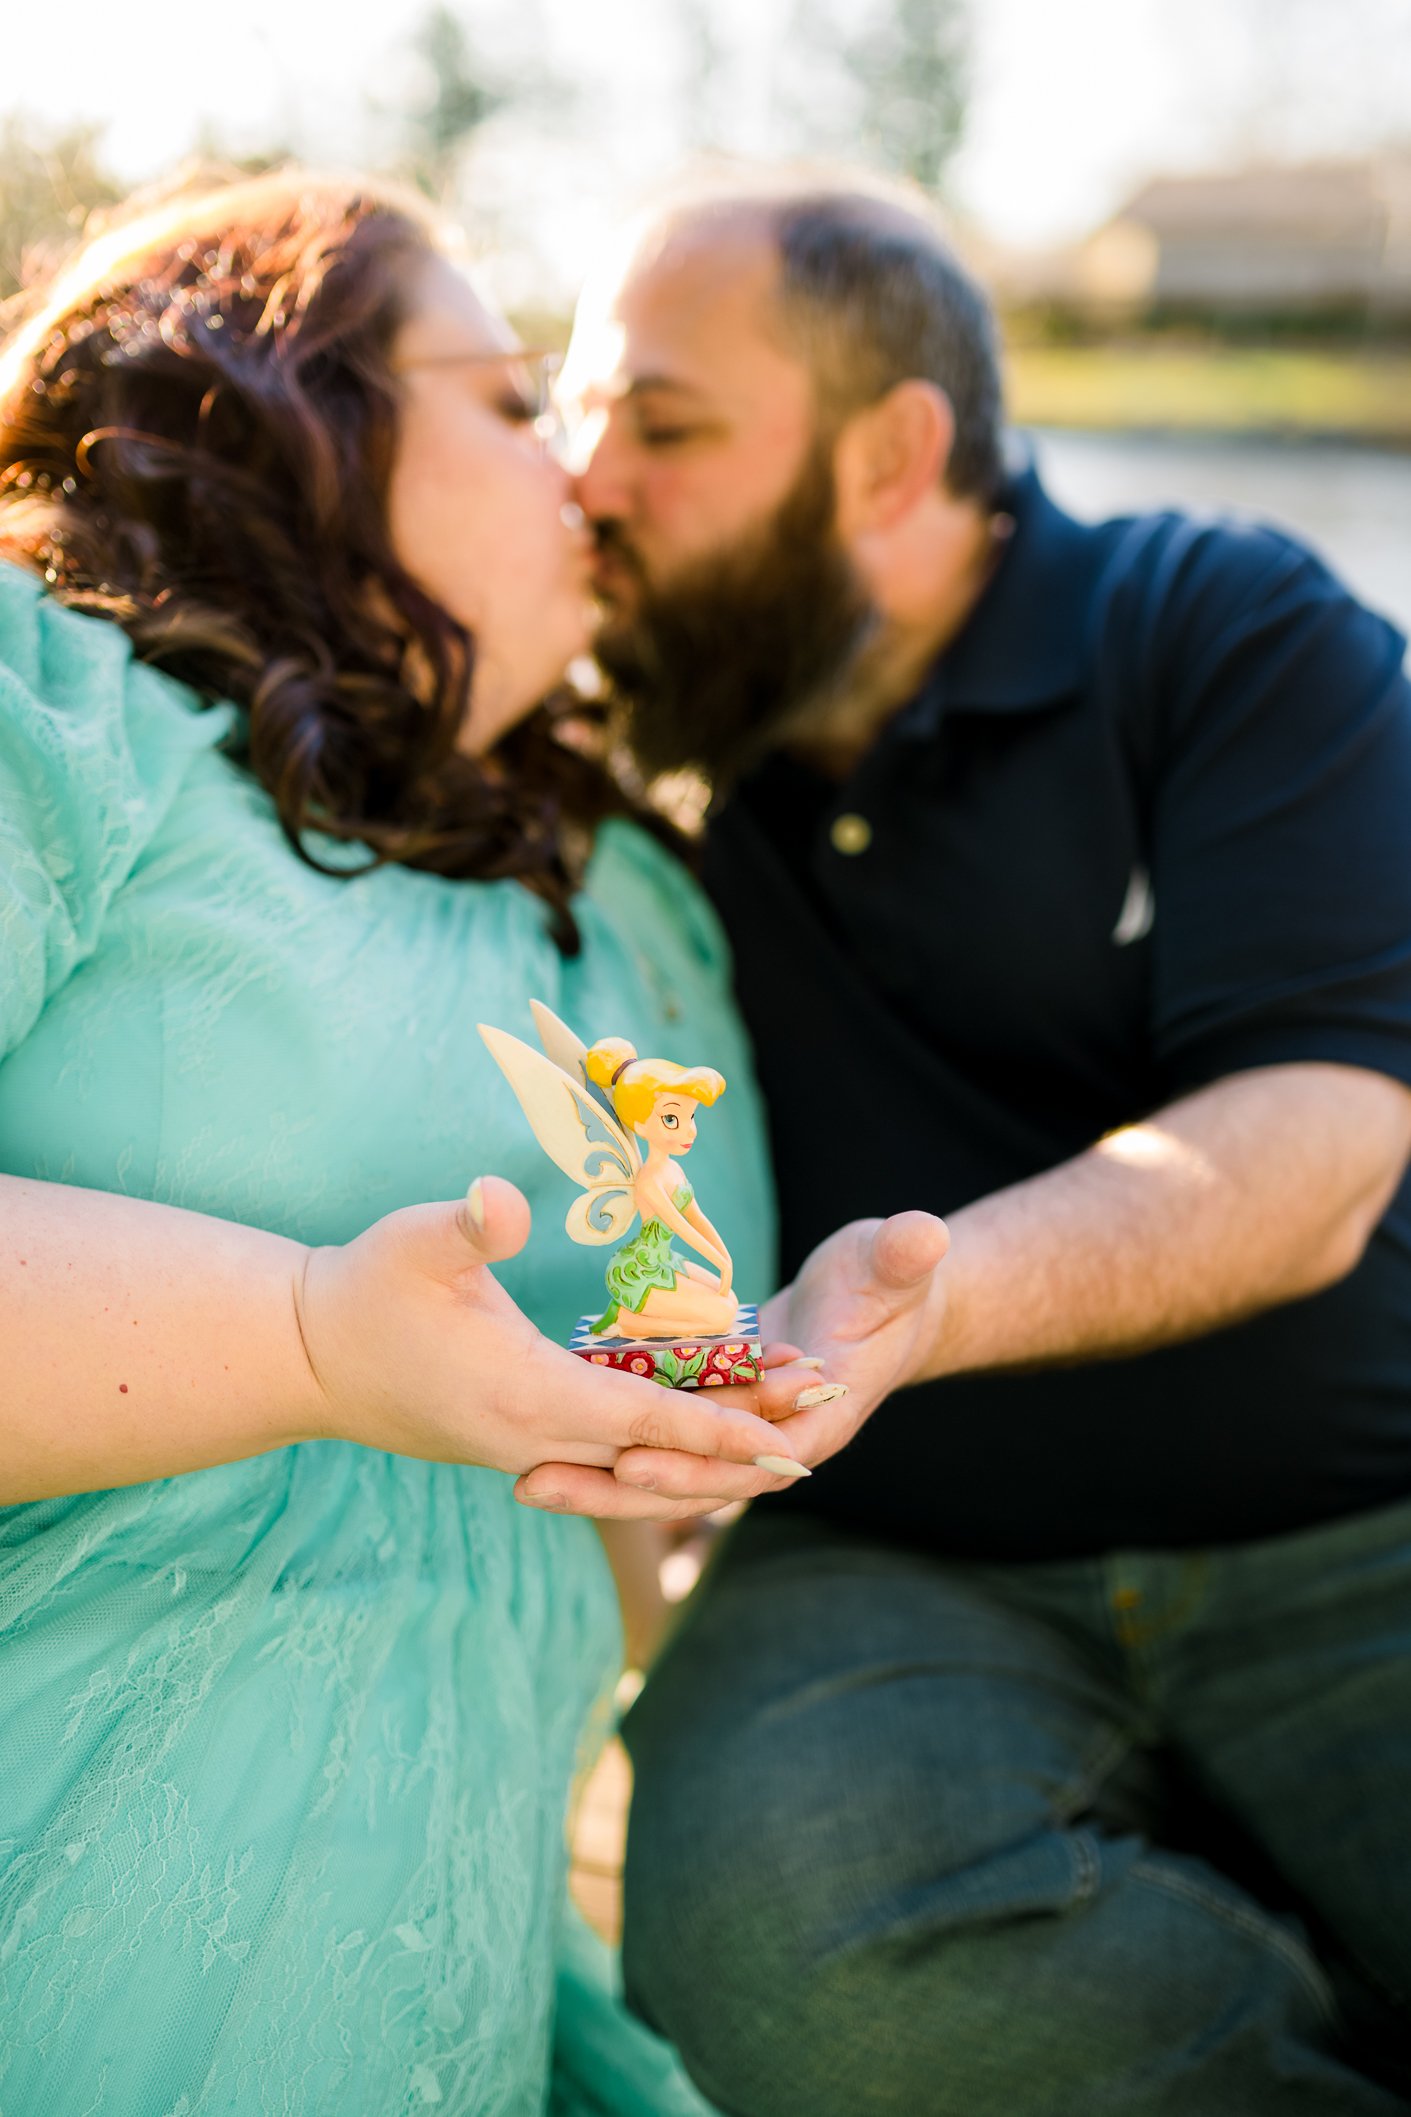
891	455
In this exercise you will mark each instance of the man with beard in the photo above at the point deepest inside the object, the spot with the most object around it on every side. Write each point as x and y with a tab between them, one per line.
1049	1750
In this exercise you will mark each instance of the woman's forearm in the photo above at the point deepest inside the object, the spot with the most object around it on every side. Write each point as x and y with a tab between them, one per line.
140	1341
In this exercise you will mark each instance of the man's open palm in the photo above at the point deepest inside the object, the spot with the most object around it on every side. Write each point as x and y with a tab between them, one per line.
869	1302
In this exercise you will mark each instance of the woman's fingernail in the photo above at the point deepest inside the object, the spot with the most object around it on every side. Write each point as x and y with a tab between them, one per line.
806	1360
781	1466
475	1207
641	1484
542	1499
821	1393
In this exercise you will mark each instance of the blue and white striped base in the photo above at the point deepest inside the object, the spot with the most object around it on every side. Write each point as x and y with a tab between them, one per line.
746	1330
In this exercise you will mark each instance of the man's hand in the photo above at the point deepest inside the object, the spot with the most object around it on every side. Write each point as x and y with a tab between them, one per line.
869	1303
1261	1188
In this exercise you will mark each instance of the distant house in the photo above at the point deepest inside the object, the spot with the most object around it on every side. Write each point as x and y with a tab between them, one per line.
1310	238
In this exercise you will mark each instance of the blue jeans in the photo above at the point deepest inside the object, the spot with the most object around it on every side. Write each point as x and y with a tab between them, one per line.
1129	1835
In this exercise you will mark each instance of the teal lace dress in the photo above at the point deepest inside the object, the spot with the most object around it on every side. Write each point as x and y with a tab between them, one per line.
286	1746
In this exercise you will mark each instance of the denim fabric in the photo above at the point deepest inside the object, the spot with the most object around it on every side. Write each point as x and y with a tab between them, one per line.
1129	1835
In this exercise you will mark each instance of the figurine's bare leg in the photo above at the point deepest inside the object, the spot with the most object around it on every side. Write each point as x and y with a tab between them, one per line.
687	1307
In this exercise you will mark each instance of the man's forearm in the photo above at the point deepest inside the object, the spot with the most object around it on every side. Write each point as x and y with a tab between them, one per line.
1257	1190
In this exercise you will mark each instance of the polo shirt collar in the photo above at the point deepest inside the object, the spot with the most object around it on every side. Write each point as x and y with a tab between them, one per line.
1023	644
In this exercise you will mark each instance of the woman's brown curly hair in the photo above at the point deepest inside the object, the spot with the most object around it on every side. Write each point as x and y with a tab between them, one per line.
197	429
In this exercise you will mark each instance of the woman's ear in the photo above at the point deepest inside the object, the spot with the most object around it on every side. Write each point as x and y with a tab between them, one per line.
891	455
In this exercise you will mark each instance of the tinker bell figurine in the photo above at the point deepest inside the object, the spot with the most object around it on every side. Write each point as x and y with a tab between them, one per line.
667	1316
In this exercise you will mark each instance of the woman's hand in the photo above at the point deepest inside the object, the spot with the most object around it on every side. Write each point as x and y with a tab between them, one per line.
858	1322
415	1347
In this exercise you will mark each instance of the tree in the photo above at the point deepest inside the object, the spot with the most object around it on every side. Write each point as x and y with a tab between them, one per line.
911	65
888	81
50	181
453	98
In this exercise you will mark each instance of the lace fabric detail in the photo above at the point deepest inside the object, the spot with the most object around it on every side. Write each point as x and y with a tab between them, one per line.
297	1735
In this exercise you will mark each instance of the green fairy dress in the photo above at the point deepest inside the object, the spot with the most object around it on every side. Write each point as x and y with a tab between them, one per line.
286	1745
644	1262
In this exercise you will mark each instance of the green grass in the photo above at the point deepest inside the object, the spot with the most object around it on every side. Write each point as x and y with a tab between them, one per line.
1214	389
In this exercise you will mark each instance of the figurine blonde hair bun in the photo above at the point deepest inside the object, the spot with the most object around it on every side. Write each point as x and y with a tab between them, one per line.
609	1057
634	1084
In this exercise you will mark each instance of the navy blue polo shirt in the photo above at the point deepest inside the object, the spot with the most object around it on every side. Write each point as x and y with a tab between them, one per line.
1147	824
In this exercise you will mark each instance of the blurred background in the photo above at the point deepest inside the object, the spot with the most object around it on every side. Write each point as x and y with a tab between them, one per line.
1195	214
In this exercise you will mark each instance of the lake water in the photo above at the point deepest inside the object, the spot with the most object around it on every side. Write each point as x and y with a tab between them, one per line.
1352	504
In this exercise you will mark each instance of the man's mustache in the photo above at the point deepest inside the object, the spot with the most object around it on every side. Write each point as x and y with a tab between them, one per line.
611	541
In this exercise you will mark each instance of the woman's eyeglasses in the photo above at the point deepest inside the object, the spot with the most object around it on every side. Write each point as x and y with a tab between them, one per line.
532	373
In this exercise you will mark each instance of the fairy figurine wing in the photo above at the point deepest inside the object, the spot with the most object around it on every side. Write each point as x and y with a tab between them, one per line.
567	1051
572	1126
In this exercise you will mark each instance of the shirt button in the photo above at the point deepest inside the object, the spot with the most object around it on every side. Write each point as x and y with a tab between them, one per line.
850	834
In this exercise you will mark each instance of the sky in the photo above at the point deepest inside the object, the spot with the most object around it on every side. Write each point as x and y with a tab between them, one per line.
1072	105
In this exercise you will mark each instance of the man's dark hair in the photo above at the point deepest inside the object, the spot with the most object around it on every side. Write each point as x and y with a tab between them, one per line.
871	295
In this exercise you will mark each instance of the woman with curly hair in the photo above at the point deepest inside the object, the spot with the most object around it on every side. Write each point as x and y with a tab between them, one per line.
289	799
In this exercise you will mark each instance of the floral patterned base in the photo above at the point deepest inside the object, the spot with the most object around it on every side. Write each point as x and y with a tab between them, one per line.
698	1363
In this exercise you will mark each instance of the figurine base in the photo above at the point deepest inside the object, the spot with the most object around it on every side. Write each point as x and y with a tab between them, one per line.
679	1363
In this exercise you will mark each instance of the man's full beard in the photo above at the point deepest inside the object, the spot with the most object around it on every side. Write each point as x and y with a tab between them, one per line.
743	648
